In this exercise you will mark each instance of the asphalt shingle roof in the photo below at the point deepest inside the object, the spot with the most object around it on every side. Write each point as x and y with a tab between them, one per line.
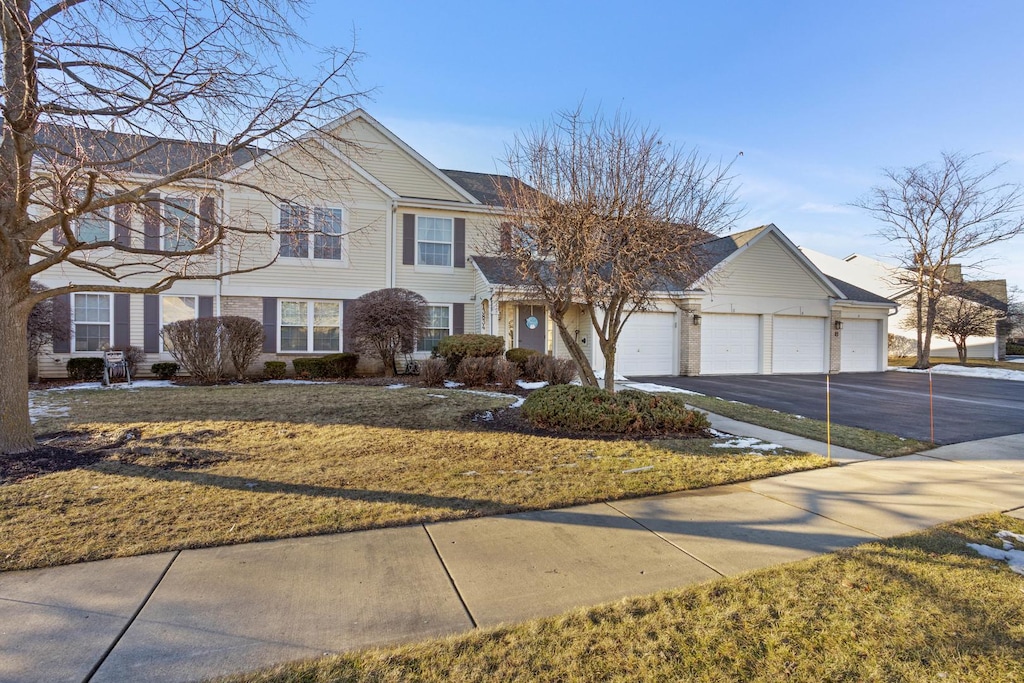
483	186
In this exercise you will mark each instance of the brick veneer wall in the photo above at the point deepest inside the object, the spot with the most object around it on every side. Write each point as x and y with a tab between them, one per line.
835	344
689	343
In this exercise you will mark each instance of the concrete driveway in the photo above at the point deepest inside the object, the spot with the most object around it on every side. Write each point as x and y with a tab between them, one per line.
966	408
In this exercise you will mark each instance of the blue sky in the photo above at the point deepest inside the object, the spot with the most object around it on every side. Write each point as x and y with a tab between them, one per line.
819	96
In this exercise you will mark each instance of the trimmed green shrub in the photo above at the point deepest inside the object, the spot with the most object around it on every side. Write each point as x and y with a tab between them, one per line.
164	370
85	369
274	369
1014	349
433	371
340	365
589	409
455	347
308	368
520	356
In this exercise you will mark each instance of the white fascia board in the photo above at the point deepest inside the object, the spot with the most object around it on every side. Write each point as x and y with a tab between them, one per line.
401	144
417	203
853	303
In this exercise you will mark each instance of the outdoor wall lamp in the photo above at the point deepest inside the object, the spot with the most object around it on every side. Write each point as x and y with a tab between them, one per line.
696	318
838	325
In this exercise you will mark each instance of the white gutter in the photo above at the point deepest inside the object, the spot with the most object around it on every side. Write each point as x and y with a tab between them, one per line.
390	237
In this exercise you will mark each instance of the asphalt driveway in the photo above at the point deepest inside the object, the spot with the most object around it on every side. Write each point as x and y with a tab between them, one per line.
966	408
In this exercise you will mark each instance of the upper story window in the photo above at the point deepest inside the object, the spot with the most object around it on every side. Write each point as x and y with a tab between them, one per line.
92	317
325	225
181	226
434	241
95	226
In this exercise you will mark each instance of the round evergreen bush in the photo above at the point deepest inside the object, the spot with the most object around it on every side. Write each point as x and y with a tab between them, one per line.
589	409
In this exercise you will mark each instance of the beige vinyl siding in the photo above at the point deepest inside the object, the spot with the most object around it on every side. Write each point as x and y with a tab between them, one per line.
402	173
767	269
424	279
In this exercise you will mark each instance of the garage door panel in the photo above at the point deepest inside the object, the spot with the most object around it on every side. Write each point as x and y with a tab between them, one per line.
860	346
730	344
798	344
647	345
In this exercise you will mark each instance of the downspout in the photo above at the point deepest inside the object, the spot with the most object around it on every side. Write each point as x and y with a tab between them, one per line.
389	243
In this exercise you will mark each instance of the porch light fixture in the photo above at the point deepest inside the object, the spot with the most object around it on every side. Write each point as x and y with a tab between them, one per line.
838	325
696	318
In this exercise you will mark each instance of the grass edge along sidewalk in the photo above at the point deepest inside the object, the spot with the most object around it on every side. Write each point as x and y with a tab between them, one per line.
924	606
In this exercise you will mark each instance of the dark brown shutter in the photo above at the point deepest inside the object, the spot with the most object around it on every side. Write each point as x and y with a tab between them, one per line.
458	318
151	323
460	243
122	321
506	238
123	224
207	219
62	323
269	325
151	221
346	336
205	307
58	234
408	239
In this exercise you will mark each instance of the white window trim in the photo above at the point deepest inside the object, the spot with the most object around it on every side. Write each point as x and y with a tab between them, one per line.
311	236
427	267
451	323
75	323
165	206
309	325
77	222
162	323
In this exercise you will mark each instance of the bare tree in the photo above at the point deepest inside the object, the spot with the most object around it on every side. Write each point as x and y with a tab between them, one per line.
92	91
386	322
958	318
241	341
935	214
605	214
1015	313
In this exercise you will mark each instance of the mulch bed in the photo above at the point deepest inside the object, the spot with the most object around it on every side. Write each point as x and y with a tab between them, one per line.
45	460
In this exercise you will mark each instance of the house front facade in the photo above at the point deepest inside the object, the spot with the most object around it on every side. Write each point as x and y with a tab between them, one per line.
335	222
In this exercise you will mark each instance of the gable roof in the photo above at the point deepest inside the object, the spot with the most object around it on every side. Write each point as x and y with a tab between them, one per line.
990	293
484	186
132	153
855	293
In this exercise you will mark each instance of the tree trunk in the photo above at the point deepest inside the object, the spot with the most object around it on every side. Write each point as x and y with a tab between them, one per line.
961	350
931	311
587	377
15	426
921	362
609	367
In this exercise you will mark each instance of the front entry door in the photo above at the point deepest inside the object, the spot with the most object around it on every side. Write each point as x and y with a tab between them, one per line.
532	334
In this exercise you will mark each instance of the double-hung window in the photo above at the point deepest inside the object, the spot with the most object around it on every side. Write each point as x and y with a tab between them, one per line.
434	241
310	326
93	316
172	309
94	226
437	328
181	228
325	225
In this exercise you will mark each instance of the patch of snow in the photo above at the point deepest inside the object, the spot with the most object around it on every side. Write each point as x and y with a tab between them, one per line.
449	384
294	381
519	400
658	388
486	416
529	386
396	386
36	412
437	395
1009	554
137	384
1015	360
715	432
618	378
986	373
648	468
748	442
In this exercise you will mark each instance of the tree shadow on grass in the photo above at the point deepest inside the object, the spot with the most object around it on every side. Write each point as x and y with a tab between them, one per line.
262	486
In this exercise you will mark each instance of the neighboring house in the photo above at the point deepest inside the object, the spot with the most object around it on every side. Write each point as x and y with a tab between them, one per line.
761	307
399	221
896	283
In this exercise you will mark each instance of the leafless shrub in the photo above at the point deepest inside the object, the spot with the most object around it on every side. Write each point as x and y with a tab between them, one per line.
475	371
242	341
559	370
432	372
195	344
506	373
133	356
534	367
901	347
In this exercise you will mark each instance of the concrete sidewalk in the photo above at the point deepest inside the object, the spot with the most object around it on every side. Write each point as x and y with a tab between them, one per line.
194	614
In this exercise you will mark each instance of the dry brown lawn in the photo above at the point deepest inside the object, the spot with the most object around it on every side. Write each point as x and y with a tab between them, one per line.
223	465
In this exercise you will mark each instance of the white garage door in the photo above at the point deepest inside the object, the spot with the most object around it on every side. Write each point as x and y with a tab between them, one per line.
729	344
860	345
798	344
647	345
